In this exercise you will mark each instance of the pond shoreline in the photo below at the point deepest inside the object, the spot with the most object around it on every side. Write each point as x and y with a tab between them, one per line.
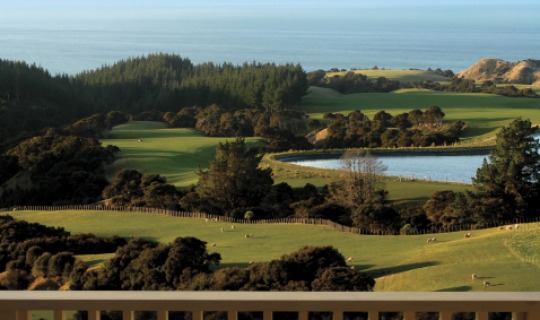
325	154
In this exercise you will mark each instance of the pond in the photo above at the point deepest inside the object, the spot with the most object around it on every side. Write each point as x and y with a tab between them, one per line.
424	166
448	167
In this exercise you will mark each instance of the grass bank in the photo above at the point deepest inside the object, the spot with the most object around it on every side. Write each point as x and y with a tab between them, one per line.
484	114
400	263
176	153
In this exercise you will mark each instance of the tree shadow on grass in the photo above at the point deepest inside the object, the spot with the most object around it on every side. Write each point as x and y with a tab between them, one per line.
454	289
401	268
361	267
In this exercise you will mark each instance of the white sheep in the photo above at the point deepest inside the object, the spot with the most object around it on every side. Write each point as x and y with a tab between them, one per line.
486	283
213	245
232	227
350	259
474	276
468	235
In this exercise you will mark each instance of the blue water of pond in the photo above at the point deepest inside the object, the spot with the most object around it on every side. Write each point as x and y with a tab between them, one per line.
445	166
424	166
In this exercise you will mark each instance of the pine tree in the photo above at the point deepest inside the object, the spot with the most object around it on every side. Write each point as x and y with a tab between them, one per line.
234	179
511	177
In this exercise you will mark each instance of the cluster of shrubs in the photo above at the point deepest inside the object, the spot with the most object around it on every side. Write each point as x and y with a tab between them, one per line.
470	86
29	251
415	128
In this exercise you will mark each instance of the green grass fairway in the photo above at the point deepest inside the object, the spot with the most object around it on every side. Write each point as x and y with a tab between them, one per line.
173	153
177	153
400	75
400	263
483	113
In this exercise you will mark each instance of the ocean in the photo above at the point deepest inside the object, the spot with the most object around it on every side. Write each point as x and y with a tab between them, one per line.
71	40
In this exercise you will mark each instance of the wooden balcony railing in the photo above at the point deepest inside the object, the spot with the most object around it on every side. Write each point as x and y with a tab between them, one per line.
18	305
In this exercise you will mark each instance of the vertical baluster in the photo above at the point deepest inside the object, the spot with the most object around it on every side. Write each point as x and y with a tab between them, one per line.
337	315
520	316
482	316
303	315
162	315
128	315
445	315
373	315
232	315
94	315
60	315
409	315
24	315
268	315
197	315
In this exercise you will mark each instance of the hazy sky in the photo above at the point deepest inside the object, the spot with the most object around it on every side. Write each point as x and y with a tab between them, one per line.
253	3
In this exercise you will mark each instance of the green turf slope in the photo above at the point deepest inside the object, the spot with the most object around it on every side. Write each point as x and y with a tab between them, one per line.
173	153
484	114
400	263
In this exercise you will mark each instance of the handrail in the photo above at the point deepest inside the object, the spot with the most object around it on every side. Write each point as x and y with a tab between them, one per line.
16	305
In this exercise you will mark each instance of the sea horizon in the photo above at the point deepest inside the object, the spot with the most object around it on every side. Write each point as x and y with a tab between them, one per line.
71	39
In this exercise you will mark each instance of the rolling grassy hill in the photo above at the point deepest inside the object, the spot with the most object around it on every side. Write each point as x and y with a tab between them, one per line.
400	263
400	75
483	113
173	153
177	154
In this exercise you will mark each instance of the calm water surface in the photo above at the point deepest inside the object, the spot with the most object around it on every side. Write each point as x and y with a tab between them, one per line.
318	35
437	167
450	168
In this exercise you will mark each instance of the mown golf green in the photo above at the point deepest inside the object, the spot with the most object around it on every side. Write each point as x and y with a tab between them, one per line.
400	263
177	154
150	147
484	114
400	75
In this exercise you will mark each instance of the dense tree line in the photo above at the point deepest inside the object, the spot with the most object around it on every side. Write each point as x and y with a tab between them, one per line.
185	264
470	86
31	99
416	128
54	168
29	251
506	188
351	82
166	82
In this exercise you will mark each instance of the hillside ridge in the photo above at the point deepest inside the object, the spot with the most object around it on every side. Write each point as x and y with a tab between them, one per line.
501	71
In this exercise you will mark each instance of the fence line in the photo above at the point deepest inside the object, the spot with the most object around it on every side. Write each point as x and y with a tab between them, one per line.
515	226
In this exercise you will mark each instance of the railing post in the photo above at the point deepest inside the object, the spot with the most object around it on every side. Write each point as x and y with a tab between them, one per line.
24	315
445	315
161	315
482	316
94	315
232	315
60	315
519	316
197	315
409	315
8	314
267	315
128	315
337	315
373	315
303	315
